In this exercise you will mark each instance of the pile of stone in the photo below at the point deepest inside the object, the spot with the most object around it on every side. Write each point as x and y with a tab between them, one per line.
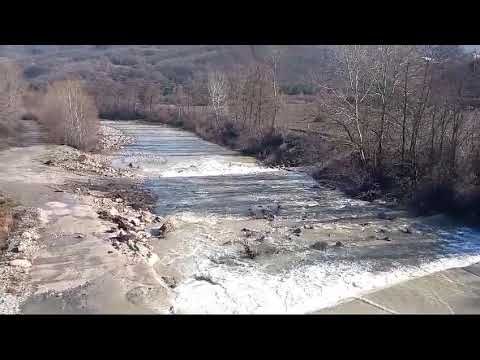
22	243
256	243
264	211
86	163
20	249
132	229
110	139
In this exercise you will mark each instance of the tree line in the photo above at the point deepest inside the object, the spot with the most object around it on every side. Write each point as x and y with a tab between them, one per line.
396	116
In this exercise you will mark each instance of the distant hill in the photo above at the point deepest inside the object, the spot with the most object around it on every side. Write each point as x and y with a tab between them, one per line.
155	63
161	64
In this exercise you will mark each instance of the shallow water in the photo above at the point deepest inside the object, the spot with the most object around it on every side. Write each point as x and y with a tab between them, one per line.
208	190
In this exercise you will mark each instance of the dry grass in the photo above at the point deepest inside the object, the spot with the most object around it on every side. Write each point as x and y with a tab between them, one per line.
6	218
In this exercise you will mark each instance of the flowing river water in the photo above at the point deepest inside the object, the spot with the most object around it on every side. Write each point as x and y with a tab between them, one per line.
208	191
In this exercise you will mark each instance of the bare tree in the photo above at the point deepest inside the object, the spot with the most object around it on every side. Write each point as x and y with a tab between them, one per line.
345	100
11	89
217	90
70	114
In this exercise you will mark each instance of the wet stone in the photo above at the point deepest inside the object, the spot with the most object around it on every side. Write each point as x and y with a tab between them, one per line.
382	237
297	231
320	245
385	216
405	229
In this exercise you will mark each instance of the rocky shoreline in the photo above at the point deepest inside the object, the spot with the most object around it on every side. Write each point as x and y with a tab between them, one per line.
116	195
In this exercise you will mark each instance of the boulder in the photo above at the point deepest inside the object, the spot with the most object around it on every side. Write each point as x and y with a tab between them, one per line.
142	249
134	221
123	236
167	226
123	223
132	245
381	236
297	231
320	245
170	281
384	216
113	212
152	258
24	263
266	249
264	212
249	233
147	217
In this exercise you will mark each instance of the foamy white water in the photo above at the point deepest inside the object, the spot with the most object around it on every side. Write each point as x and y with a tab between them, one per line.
212	166
303	290
209	189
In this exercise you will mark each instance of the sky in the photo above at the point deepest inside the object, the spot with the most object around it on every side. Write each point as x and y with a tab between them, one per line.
472	47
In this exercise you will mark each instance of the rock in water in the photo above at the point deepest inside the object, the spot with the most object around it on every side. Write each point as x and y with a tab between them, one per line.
382	237
320	245
249	233
167	226
170	281
264	212
384	216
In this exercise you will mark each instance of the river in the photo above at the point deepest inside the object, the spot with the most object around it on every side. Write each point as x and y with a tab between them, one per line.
208	190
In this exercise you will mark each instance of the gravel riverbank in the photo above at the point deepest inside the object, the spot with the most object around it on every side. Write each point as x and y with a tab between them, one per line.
68	194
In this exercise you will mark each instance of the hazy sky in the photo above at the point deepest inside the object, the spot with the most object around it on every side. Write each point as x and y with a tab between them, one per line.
472	47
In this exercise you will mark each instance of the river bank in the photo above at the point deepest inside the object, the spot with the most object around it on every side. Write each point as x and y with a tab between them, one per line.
79	223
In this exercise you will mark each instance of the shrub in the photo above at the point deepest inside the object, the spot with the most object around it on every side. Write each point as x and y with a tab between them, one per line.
123	59
34	71
29	116
433	198
6	219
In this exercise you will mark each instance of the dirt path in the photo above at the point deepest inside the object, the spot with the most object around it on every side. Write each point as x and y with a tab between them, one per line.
76	269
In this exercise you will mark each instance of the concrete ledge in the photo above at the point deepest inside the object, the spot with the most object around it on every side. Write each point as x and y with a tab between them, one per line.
453	291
